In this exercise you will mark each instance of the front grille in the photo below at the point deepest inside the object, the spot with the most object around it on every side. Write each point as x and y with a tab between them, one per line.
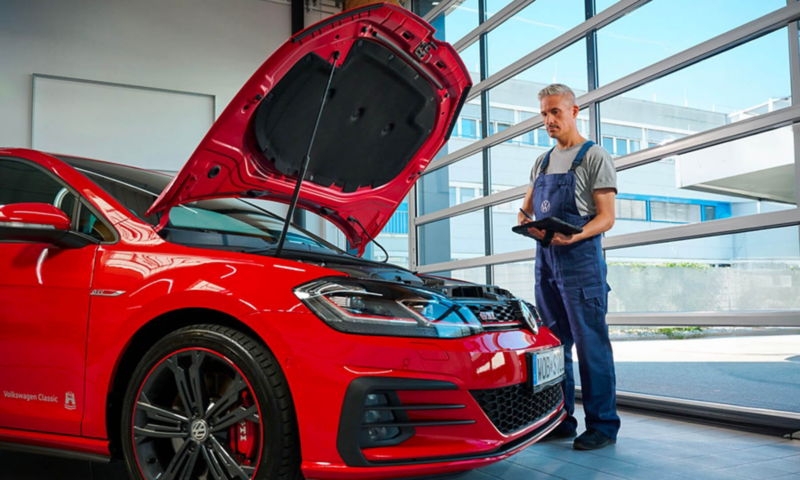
515	407
502	312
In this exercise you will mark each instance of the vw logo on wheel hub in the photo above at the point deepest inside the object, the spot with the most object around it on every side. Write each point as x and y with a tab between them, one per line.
199	431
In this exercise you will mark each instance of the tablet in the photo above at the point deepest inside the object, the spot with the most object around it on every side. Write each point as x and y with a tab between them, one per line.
551	225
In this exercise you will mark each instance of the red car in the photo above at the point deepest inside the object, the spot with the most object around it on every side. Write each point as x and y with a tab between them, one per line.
201	336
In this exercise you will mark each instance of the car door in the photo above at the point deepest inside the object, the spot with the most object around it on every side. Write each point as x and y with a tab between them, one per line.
44	309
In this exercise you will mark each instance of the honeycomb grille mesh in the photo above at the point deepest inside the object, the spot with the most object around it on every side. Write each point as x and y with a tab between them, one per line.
505	312
515	407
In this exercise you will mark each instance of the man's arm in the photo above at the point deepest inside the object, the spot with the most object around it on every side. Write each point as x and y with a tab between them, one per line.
604	199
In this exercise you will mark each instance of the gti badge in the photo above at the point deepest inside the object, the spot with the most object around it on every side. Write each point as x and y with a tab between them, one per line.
69	401
488	316
528	317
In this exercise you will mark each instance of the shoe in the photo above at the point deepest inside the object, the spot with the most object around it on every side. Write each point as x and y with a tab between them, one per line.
592	439
559	433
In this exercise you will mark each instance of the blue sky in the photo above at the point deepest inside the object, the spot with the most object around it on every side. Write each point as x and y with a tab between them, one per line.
737	79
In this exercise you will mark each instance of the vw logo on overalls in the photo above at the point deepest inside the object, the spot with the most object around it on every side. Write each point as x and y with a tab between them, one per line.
545	206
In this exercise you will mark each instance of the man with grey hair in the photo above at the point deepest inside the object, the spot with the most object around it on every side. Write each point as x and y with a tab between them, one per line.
576	182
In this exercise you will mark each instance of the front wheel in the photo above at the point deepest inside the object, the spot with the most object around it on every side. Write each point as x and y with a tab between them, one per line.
210	403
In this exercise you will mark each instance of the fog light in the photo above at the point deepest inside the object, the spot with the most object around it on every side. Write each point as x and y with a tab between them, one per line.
376	400
377	434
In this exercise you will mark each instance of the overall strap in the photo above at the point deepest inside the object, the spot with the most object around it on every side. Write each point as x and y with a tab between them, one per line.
546	162
581	153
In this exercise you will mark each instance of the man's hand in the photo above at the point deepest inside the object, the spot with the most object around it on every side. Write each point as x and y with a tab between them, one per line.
536	233
560	240
521	218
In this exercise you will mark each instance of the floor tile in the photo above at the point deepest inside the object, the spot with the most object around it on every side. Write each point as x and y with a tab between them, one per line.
755	472
511	471
551	466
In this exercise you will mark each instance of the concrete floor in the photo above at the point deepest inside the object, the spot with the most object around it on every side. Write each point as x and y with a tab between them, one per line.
648	448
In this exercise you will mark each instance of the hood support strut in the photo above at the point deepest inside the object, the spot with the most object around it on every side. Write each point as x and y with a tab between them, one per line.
306	160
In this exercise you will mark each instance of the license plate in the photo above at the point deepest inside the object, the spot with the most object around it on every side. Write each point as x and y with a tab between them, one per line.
547	367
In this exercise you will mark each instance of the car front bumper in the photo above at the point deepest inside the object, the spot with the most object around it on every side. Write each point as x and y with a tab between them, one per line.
330	373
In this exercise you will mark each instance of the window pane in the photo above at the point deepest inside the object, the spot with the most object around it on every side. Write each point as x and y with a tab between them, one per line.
504	217
608	144
662	28
567	66
517	278
23	183
535	25
622	146
723	179
634	145
469	128
542	138
474	275
457	21
744	271
454	238
434	189
512	161
721	368
749	80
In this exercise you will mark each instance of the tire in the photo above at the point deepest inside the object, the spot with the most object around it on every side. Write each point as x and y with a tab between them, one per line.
243	426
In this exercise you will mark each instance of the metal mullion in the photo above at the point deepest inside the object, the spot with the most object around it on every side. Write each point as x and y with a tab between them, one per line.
592	74
765	318
697	141
577	33
794	66
731	39
486	119
497	259
714	228
495	21
709	138
412	229
726	41
496	139
439	9
761	221
473	205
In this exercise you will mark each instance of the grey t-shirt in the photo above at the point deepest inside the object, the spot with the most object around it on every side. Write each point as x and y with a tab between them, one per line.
595	172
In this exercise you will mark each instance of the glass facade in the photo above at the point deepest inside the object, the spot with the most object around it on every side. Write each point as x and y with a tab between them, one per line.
708	230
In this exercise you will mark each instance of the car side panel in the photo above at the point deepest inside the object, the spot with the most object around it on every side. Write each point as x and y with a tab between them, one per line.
44	307
164	278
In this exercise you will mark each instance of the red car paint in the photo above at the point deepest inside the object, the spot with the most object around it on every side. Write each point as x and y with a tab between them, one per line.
56	338
228	145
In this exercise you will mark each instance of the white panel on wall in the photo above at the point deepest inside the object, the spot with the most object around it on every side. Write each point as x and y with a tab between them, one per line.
144	127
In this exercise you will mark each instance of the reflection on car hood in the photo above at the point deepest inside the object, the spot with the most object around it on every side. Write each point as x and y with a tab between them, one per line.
394	98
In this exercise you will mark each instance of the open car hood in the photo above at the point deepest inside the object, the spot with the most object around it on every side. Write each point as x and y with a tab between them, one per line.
394	99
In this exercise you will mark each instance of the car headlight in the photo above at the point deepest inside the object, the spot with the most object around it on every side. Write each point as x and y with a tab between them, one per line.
383	308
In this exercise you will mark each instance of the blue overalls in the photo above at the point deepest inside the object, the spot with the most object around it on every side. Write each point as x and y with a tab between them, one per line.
572	297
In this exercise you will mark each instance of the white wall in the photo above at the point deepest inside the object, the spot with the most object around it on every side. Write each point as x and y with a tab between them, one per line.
203	46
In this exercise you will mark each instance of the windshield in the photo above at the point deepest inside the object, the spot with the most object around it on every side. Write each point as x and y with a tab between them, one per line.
227	222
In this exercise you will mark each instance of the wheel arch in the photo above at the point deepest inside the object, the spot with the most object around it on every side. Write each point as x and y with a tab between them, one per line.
143	340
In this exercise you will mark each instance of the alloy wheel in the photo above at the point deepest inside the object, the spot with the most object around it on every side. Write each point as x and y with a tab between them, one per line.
196	417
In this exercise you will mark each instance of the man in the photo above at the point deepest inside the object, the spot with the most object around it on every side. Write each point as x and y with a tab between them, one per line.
576	182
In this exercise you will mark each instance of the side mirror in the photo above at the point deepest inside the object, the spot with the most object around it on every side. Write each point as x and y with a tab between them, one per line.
39	222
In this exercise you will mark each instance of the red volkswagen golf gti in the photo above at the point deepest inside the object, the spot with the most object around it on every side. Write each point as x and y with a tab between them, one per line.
180	324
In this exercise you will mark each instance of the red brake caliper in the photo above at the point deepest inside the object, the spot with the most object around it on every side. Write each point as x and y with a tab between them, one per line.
245	437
